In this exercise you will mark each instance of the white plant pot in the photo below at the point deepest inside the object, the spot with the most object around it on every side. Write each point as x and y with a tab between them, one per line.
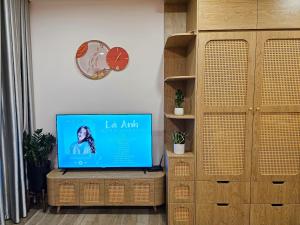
179	149
179	111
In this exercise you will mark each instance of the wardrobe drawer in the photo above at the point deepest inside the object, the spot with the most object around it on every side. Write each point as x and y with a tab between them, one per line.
181	214
142	192
116	192
67	192
227	214
222	192
280	214
91	192
182	169
181	191
275	192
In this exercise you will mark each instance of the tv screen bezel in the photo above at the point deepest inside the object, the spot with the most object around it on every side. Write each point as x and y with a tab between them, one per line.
103	168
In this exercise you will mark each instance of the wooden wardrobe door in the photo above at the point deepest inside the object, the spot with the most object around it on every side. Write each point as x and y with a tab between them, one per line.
276	154
225	105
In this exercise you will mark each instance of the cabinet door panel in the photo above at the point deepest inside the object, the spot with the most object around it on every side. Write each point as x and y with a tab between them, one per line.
67	192
278	14
92	192
225	214
224	105
227	14
276	154
275	214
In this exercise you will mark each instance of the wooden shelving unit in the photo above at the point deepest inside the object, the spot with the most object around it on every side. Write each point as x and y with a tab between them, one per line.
176	78
179	40
231	182
186	155
176	1
184	117
180	57
180	17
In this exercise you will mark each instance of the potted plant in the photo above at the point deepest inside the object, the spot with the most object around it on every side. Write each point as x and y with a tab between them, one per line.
179	142
37	147
179	100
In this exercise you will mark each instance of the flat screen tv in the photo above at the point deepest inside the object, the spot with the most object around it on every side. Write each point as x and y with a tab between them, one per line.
104	141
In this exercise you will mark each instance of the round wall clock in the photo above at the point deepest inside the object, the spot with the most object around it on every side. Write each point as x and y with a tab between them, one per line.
117	58
91	59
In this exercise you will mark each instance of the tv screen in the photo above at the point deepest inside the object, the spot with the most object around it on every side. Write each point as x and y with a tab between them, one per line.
104	141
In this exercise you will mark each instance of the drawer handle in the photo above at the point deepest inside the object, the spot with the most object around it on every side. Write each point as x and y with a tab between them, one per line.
277	205
222	204
278	182
223	182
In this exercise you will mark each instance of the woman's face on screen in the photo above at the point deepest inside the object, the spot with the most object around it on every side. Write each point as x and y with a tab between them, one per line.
81	134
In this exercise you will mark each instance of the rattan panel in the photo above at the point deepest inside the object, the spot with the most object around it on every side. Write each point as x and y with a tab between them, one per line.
182	169
226	73
279	152
67	193
182	192
116	193
91	193
224	144
281	72
181	214
141	193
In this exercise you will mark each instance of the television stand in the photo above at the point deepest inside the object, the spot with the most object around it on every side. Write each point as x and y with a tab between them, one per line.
105	188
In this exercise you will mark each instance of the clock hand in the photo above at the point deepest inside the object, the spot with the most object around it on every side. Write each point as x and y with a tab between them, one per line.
118	57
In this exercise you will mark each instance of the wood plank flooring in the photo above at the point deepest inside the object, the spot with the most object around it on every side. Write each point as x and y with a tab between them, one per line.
96	216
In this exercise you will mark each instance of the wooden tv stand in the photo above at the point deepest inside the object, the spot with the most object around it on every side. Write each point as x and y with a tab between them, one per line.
106	188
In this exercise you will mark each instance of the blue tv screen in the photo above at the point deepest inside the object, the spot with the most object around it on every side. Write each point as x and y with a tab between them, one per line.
104	141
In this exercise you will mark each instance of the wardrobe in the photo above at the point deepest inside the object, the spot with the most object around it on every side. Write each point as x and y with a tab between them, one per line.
243	162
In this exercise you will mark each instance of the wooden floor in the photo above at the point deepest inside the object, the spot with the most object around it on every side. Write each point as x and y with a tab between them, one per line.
96	216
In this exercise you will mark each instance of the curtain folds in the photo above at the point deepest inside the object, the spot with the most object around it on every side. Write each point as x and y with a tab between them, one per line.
16	112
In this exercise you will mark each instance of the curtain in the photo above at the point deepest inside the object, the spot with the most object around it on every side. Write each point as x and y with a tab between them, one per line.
16	112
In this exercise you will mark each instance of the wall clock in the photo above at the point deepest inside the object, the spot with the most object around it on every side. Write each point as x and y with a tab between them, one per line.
91	59
117	58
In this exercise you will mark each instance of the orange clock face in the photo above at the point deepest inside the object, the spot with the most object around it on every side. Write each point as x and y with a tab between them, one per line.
117	58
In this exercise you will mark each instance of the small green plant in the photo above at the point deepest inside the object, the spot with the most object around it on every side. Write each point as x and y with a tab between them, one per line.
179	99
37	147
179	137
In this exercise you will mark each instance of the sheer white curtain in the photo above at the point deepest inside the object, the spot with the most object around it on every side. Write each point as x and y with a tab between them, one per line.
16	106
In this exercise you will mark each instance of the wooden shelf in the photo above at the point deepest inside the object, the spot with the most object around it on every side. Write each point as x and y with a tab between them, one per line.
184	117
180	40
176	1
176	78
171	154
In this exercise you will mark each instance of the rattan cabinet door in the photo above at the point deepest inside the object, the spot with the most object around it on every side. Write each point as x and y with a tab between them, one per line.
276	154
225	105
142	192
67	192
92	192
116	192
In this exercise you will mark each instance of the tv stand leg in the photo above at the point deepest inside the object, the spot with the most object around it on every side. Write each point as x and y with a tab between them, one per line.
57	209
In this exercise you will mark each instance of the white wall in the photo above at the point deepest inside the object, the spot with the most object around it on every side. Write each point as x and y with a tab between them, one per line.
58	27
